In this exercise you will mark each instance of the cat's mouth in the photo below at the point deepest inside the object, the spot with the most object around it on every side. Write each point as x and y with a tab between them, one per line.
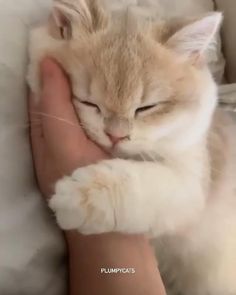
115	150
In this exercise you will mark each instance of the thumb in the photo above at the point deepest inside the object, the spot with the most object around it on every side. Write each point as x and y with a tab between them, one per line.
58	114
56	92
62	131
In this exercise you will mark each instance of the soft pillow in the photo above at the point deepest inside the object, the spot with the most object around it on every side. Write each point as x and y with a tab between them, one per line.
227	95
31	248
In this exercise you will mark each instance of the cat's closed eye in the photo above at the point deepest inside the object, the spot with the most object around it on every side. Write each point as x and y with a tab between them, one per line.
90	104
145	108
157	106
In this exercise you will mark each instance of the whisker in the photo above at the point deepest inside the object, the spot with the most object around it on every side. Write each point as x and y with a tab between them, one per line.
149	156
55	118
142	157
84	126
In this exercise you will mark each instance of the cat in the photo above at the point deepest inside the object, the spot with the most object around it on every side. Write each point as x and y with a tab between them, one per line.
143	91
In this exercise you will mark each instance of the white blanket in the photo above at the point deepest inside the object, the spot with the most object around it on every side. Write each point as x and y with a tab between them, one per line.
31	247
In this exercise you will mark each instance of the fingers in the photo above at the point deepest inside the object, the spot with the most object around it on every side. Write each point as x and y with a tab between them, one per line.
36	131
34	117
60	123
56	92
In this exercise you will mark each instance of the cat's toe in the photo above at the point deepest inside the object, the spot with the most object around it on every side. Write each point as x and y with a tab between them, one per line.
82	202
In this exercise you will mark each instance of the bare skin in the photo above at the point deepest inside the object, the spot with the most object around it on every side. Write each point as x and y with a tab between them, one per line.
59	147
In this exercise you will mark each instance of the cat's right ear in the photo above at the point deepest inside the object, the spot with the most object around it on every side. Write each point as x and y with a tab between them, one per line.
194	39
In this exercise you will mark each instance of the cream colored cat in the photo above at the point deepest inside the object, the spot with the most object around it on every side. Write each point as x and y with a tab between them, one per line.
144	93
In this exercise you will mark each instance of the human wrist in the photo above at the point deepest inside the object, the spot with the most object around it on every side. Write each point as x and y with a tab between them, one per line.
105	245
124	264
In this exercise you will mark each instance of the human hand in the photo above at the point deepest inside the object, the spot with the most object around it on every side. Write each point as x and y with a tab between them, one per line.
59	144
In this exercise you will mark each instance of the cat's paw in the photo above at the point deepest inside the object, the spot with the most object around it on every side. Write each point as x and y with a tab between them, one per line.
86	200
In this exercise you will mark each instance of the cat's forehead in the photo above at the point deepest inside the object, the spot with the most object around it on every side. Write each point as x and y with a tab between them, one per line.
126	61
125	69
121	62
119	52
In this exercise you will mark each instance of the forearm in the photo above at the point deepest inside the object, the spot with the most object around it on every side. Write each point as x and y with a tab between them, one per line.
89	254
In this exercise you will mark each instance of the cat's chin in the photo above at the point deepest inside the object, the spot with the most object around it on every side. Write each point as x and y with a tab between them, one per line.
125	151
120	151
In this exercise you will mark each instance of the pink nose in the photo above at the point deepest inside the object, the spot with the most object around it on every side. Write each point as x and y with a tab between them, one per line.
115	139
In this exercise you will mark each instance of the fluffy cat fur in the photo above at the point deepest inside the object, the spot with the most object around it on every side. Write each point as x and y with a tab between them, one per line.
143	91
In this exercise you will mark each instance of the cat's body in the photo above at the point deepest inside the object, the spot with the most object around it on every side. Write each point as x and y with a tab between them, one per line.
145	94
201	259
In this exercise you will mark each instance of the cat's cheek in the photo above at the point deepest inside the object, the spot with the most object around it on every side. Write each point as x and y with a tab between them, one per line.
93	126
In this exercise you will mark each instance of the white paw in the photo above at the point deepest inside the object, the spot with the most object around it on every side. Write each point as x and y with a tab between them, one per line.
85	200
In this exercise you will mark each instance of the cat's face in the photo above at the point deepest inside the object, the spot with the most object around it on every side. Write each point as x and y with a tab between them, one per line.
133	96
136	91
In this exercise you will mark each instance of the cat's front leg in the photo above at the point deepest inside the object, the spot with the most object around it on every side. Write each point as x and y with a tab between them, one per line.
91	200
125	196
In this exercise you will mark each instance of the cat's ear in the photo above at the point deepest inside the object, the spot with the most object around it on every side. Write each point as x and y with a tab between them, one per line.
60	23
194	39
70	18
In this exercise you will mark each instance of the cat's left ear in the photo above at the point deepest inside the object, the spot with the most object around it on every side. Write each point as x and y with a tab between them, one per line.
72	18
194	39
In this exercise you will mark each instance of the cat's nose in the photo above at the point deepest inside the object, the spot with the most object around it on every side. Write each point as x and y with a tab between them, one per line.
115	139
